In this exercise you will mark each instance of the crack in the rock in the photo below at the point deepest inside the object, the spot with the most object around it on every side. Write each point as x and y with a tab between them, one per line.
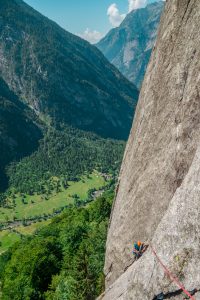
186	10
120	295
109	270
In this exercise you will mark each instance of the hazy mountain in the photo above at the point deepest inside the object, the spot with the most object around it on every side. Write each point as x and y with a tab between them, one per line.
60	76
129	46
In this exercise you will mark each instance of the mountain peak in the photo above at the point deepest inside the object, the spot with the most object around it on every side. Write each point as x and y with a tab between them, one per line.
129	46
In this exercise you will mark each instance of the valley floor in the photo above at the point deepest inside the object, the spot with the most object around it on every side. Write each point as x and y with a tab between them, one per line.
31	212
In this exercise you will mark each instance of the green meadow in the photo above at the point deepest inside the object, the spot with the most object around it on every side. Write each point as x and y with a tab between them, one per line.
10	237
7	239
39	205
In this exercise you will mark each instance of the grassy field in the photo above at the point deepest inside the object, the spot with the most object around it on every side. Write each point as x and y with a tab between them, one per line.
36	205
7	239
30	229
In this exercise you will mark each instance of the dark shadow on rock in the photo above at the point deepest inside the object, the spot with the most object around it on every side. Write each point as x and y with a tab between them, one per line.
169	295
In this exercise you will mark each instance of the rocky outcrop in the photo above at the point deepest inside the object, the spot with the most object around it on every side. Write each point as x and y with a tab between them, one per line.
158	196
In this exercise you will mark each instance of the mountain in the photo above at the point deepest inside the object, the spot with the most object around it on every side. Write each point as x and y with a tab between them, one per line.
129	46
57	91
61	77
157	198
19	134
158	195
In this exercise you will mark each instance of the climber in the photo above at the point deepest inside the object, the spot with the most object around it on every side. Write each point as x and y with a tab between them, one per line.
139	249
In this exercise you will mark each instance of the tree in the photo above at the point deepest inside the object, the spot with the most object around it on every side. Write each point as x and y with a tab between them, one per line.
63	260
31	268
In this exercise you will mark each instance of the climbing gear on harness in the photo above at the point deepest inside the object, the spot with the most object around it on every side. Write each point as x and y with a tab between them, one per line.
170	275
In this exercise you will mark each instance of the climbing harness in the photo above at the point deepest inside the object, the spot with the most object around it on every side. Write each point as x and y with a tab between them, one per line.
171	276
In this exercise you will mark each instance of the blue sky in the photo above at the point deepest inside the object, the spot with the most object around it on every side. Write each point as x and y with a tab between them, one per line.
91	19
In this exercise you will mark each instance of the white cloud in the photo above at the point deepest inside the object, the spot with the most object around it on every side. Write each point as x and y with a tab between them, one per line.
135	4
114	15
92	36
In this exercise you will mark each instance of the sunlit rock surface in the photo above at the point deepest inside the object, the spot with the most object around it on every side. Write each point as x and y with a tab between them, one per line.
159	189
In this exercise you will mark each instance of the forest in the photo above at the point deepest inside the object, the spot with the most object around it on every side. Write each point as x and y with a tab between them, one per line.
66	153
63	260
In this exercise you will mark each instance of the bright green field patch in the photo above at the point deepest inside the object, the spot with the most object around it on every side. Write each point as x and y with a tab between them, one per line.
36	205
7	239
30	229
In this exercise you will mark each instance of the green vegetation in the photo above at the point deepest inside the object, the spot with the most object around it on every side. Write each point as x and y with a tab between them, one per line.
65	154
75	84
10	236
22	206
7	239
82	102
30	229
48	160
63	260
19	134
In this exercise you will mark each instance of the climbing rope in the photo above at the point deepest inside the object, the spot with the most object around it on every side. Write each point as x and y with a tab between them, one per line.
171	276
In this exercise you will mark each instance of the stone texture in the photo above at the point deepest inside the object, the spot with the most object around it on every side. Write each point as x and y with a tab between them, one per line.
176	240
159	197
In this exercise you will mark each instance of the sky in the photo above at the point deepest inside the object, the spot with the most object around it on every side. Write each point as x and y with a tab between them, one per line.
90	19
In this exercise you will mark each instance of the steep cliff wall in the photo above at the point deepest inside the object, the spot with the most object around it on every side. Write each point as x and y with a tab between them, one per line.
158	196
177	242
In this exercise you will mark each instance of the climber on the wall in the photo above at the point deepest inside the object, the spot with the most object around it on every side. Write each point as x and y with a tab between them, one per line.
139	249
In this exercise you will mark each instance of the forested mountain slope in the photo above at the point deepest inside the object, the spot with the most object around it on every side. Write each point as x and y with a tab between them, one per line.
60	76
19	134
65	92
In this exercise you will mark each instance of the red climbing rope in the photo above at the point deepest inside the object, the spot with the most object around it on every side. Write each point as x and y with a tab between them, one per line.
174	278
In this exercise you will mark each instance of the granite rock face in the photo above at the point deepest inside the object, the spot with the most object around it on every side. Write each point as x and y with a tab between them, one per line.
158	199
176	241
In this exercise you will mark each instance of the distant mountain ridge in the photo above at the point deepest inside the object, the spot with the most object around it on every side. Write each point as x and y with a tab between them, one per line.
129	46
62	77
